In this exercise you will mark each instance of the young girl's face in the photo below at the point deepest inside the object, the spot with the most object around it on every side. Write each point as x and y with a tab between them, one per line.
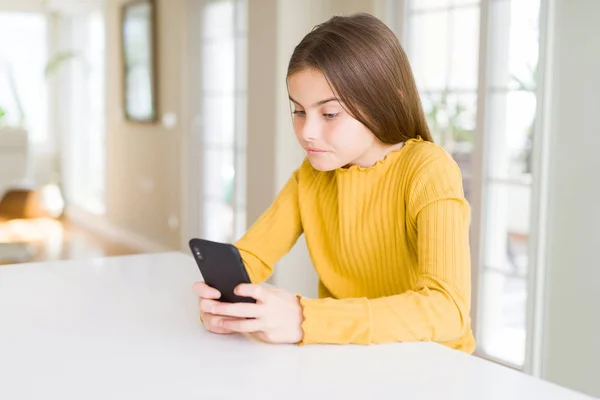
331	137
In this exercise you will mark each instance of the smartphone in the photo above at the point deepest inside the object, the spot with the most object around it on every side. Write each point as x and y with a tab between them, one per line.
221	267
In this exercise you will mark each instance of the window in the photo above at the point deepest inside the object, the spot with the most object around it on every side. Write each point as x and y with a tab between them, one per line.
223	142
442	43
23	58
511	97
81	124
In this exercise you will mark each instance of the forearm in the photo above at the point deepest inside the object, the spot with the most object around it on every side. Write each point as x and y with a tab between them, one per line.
432	313
273	234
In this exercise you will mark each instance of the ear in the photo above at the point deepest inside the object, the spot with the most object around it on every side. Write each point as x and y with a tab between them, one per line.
401	93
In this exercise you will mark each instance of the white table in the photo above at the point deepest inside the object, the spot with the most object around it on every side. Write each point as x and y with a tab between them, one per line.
127	328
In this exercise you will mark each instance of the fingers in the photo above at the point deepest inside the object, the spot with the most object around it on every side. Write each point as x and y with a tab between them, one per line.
205	291
243	325
215	324
257	292
238	310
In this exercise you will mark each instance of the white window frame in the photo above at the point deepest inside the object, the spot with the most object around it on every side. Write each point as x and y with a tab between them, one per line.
194	197
66	12
541	160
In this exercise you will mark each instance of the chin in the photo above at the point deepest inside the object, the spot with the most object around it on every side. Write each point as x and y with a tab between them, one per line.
323	165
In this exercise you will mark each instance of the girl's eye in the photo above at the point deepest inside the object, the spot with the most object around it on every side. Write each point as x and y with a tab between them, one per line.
299	113
331	116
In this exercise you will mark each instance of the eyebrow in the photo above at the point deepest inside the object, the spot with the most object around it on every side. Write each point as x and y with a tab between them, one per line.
318	103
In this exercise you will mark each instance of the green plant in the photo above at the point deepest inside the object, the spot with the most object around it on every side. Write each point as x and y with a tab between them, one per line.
527	83
2	116
446	121
57	61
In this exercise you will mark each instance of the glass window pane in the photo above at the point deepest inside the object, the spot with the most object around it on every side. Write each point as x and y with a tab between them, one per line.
10	114
434	111
241	73
464	3
240	223
440	111
96	142
218	174
510	131
514	44
520	117
464	42
218	19
241	121
461	111
219	117
218	63
507	221
240	178
503	317
23	57
428	49
224	114
499	40
428	4
523	48
241	16
451	119
218	221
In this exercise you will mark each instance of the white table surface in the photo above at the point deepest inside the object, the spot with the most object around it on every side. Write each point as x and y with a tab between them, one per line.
127	328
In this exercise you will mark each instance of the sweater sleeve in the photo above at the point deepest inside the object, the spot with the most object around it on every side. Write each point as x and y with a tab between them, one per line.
273	234
437	308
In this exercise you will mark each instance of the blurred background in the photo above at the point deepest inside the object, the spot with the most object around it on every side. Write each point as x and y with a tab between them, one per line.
132	126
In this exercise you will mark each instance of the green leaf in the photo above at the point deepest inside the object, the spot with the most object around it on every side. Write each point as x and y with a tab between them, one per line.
57	61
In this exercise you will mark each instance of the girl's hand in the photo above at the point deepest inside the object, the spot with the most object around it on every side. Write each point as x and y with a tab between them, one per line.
211	322
276	317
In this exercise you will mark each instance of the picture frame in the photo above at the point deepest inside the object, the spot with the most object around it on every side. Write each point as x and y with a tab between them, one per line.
138	42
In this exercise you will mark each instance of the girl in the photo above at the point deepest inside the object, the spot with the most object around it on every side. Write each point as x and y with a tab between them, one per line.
382	208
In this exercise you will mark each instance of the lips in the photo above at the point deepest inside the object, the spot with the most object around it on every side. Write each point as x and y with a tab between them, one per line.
313	150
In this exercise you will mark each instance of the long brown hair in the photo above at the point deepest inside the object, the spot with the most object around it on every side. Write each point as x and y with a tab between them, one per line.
369	71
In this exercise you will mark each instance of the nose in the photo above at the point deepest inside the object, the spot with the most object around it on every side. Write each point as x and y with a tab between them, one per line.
310	130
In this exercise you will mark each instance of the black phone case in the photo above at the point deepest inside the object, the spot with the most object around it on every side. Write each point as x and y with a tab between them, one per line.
221	267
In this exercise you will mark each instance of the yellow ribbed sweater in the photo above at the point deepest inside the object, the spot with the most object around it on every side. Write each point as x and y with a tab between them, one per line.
389	243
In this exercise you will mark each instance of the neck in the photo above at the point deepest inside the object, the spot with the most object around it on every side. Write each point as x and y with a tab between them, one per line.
376	153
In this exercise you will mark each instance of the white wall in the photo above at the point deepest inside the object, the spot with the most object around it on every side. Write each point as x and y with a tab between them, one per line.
571	338
22	5
143	175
